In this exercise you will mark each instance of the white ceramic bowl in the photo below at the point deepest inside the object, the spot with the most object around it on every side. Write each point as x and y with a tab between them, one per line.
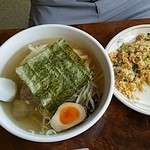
16	44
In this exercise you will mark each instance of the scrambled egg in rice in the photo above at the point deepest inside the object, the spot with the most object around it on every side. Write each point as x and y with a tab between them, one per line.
131	63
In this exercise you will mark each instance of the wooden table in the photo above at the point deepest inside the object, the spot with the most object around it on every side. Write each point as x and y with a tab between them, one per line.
120	128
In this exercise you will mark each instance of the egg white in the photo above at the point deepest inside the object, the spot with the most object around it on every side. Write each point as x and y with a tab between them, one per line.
58	126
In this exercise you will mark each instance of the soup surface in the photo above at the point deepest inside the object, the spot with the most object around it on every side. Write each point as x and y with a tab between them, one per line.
26	110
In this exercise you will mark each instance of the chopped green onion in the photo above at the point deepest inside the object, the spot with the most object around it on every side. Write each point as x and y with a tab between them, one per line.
148	59
135	68
123	47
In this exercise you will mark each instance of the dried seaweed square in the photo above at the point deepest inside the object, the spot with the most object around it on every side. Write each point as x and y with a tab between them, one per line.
55	74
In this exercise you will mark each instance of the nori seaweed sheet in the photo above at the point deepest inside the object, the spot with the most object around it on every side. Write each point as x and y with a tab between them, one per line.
55	74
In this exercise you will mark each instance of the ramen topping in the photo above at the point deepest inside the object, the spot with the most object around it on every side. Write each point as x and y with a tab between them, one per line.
55	74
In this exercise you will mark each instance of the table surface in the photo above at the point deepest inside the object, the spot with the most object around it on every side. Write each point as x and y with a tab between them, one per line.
120	127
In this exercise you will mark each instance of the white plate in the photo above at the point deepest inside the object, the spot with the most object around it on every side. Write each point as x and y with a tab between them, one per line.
128	35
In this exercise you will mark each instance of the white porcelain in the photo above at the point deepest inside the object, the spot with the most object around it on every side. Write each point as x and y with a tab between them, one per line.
8	89
17	42
128	35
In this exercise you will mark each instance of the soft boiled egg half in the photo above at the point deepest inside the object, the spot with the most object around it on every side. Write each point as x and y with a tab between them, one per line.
67	115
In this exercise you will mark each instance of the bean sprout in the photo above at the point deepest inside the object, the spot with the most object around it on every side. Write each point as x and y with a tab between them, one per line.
50	132
86	95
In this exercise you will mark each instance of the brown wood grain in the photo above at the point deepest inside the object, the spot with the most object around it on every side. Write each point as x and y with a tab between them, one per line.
120	128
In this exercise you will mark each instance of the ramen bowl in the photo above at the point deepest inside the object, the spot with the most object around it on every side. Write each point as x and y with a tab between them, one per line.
11	54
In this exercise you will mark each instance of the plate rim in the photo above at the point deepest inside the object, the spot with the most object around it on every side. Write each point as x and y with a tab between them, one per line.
116	92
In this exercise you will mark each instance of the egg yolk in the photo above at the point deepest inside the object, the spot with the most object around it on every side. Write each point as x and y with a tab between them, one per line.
69	114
